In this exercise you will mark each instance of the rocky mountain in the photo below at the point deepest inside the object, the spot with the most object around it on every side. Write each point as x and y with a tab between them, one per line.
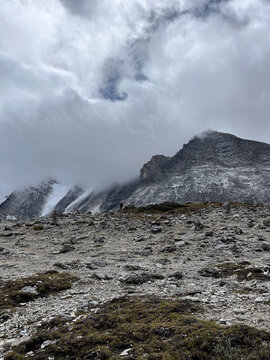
40	200
213	166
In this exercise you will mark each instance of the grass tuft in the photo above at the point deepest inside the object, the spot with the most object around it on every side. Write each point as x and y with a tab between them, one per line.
242	271
12	292
38	227
152	328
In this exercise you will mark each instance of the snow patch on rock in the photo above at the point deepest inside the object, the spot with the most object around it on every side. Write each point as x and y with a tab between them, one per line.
58	192
84	195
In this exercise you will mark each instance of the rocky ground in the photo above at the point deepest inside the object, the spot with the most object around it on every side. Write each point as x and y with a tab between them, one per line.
218	257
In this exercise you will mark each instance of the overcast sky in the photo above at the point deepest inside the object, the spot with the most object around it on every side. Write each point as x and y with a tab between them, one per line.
91	89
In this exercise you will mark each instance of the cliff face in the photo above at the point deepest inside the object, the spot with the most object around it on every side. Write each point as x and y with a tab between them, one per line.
26	203
154	169
40	200
211	167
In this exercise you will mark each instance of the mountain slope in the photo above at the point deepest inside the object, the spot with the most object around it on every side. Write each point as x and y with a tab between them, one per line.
211	167
40	200
28	202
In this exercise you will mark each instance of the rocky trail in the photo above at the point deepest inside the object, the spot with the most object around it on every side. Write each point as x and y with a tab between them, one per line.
217	257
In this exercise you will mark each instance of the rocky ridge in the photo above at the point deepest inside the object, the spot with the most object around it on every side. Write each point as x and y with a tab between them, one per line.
211	167
217	256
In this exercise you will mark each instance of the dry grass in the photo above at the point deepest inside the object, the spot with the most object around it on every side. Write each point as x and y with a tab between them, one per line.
152	328
174	209
11	294
242	271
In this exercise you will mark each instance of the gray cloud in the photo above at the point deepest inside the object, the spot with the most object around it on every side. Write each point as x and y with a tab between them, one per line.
178	67
84	8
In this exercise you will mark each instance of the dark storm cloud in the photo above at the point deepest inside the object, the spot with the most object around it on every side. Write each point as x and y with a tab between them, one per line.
90	90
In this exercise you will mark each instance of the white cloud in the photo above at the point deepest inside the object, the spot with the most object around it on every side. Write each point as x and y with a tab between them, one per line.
185	66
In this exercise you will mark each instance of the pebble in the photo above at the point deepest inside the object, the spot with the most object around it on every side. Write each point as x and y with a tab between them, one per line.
125	352
180	244
239	311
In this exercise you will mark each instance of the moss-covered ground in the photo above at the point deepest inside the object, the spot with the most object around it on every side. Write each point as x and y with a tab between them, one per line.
169	209
12	292
242	271
151	328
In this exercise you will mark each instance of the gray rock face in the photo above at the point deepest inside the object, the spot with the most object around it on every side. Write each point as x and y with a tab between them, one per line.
36	201
211	167
26	203
68	199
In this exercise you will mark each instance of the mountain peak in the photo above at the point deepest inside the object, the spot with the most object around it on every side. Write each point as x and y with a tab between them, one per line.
212	166
206	134
213	135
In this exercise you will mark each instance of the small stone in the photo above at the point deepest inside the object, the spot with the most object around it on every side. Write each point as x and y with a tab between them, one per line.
147	252
61	265
94	265
132	228
209	272
259	299
102	276
169	249
238	231
141	278
239	311
251	224
198	225
99	240
103	224
156	230
192	298
93	303
164	261
177	274
266	222
4	318
66	248
3	251
29	289
180	244
125	352
47	343
132	267
265	247
140	238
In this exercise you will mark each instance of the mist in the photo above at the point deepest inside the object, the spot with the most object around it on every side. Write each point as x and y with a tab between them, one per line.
90	90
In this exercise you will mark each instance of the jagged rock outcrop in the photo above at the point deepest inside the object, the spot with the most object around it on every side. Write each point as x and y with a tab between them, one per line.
211	167
28	202
154	169
40	200
72	195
